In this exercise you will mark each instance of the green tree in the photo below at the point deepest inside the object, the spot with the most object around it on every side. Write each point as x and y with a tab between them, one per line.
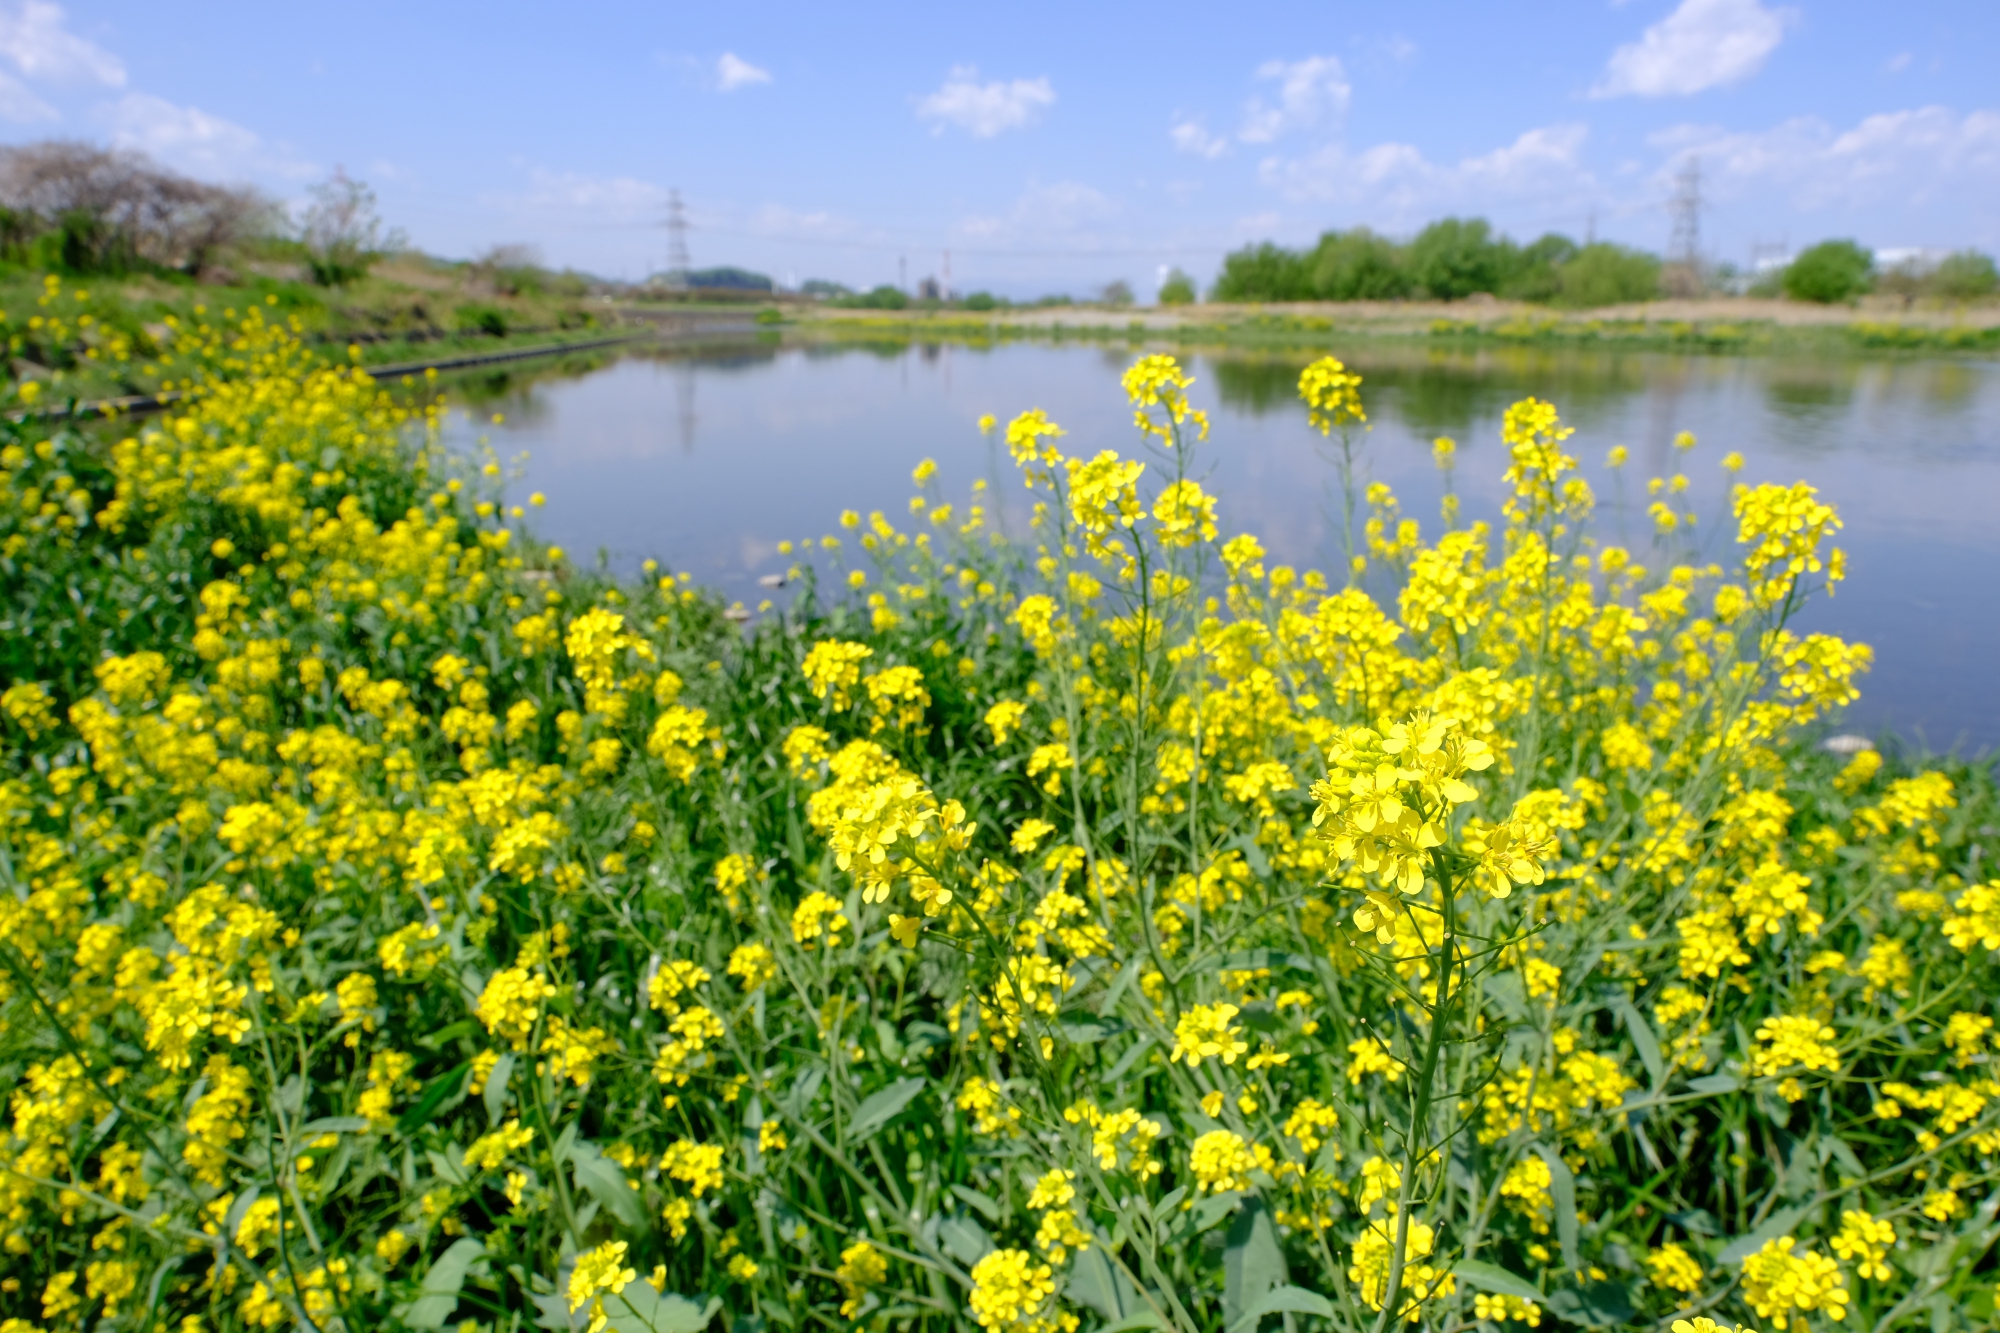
1607	274
1533	272
1358	265
1830	271
1264	272
1455	257
1965	276
1178	289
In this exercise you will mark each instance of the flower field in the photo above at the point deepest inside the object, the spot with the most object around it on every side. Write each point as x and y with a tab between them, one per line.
1104	928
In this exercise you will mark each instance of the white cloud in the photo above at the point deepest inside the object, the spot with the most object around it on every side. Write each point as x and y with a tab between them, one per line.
985	109
1898	63
604	199
1399	186
733	72
1066	208
1903	157
1192	137
19	105
33	37
1313	92
192	139
1703	44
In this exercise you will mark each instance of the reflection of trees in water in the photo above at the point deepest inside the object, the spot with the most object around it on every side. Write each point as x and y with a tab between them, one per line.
1444	392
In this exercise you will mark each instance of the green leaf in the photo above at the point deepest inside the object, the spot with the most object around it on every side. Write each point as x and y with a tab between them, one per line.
1643	1039
1714	1083
1127	1060
1132	1322
1251	960
459	1029
496	1088
1562	1188
641	1309
1116	991
979	1201
965	1240
1252	1262
881	1107
439	1294
334	1124
606	1181
1283	1300
1492	1277
1777	1224
1103	1286
1207	1212
436	1093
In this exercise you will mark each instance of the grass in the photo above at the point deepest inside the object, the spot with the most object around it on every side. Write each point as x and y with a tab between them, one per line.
89	338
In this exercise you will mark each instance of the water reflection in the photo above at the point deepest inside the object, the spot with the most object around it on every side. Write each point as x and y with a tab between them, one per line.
707	457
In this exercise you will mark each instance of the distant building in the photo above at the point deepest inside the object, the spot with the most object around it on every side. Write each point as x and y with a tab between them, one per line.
928	290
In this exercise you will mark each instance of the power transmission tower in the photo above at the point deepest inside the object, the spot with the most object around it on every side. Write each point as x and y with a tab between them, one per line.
1685	208
678	266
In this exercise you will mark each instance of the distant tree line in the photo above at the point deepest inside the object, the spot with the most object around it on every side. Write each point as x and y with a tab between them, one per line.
1450	259
1835	271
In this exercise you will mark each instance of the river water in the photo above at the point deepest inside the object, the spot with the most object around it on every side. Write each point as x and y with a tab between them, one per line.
705	458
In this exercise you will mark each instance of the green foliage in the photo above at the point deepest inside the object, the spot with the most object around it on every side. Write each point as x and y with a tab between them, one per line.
1263	272
1359	265
483	319
1829	272
1456	257
980	301
884	297
1178	289
1449	260
1607	274
1967	275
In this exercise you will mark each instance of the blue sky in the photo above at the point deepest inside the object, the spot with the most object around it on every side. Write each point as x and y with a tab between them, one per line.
1047	147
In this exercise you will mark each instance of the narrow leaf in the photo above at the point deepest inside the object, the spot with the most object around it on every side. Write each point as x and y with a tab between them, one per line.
1283	1300
883	1106
606	1181
1492	1277
1643	1039
334	1124
496	1088
1777	1224
442	1284
1562	1187
1253	1262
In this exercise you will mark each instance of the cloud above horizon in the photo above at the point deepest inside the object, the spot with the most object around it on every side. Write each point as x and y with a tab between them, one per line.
1312	94
733	72
1703	44
985	110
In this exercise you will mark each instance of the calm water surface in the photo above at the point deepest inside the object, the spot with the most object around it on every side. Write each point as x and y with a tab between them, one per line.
707	459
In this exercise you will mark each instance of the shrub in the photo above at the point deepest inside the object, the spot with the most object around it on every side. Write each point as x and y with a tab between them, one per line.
1829	272
1176	289
981	301
485	319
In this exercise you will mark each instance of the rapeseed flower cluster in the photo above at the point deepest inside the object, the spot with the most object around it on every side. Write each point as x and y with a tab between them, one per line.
406	926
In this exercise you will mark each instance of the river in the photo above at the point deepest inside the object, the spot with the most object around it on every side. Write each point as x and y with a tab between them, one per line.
705	458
